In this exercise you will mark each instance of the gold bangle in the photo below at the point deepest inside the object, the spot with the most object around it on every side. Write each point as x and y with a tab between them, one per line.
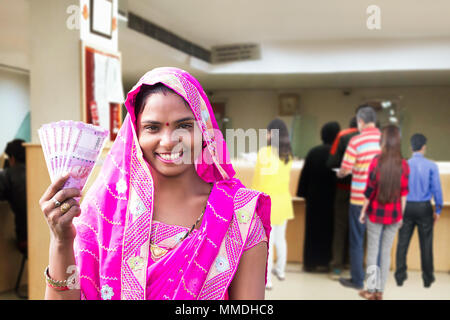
52	282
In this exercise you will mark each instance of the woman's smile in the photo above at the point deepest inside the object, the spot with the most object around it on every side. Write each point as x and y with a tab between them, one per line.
169	157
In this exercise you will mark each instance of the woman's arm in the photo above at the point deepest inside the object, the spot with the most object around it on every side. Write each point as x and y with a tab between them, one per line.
62	235
403	204
60	261
249	281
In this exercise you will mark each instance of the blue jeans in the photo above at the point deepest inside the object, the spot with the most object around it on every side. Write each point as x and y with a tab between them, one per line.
356	244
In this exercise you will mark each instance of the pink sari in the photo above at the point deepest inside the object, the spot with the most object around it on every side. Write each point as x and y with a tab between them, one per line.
112	246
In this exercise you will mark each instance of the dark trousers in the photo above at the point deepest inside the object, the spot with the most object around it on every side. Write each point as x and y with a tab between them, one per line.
418	214
340	229
357	231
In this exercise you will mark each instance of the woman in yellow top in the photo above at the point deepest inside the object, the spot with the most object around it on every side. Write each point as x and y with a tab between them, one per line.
272	176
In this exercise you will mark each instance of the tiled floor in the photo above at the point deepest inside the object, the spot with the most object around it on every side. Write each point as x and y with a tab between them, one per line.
318	286
299	285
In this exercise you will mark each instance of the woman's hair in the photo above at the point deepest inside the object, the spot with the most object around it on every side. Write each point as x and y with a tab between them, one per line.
285	149
148	90
389	165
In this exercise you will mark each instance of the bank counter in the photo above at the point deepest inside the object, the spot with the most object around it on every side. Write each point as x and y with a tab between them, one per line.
38	234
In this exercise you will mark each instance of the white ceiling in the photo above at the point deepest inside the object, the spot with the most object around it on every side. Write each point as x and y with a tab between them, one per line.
217	22
214	22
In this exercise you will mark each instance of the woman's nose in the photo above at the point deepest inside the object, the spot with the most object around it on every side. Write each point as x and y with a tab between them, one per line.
169	139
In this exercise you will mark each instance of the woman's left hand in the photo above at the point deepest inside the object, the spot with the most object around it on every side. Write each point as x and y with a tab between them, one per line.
362	217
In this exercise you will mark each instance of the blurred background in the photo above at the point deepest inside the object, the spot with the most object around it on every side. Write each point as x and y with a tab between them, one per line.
306	62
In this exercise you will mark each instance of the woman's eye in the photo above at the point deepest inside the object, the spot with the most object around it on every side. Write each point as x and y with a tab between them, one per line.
151	128
185	126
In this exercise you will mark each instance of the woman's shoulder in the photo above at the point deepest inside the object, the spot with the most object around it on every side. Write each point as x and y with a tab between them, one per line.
234	186
265	151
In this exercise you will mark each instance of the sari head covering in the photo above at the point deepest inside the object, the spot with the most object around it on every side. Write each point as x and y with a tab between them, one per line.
113	231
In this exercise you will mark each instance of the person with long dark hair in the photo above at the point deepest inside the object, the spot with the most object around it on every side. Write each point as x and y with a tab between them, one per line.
272	176
318	186
385	199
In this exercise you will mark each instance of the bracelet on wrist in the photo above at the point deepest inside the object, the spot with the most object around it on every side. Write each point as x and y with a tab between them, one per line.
60	285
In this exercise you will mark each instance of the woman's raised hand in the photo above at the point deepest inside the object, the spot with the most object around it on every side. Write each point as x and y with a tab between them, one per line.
59	208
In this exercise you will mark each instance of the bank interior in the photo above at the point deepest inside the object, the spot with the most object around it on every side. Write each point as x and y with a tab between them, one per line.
307	63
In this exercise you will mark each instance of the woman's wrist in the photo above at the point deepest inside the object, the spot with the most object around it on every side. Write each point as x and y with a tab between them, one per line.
61	243
61	249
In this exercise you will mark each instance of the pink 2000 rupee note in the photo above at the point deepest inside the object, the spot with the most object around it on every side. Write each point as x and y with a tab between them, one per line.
85	152
71	147
43	138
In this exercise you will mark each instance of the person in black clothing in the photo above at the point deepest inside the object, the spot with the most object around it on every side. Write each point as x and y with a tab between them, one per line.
342	200
13	189
317	185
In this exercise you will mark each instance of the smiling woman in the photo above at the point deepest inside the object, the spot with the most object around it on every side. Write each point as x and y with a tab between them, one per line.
180	226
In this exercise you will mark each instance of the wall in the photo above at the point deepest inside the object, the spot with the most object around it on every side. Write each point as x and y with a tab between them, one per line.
55	65
247	109
426	110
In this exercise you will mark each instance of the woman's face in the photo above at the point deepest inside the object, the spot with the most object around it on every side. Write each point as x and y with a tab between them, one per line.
168	134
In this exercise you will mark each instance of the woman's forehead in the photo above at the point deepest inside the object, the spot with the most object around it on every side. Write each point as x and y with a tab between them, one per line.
160	104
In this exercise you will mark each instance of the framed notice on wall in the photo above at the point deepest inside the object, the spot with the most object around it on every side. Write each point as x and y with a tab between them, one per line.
289	104
98	23
101	17
102	90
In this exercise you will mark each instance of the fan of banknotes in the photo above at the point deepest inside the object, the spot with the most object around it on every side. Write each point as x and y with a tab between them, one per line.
71	147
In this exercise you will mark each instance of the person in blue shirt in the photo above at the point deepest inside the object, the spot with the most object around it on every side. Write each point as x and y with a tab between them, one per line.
424	183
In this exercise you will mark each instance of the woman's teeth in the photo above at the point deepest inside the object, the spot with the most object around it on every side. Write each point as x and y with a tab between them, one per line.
170	156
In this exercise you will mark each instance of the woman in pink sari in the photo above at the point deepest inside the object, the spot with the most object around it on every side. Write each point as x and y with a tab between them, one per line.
165	218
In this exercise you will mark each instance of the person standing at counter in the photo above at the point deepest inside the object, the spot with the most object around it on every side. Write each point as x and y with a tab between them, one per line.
384	203
318	185
272	176
424	183
361	149
342	200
